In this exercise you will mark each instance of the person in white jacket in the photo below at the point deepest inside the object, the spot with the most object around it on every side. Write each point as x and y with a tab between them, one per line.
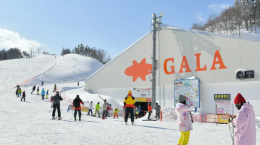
90	107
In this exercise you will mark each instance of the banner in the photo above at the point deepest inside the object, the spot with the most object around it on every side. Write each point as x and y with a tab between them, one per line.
222	97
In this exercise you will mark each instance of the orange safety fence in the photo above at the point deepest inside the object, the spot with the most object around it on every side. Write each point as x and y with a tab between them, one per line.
20	84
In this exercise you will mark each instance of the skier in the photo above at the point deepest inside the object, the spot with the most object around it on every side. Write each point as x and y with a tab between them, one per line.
184	118
56	105
110	110
76	103
140	110
97	107
38	89
129	104
115	113
47	93
105	109
42	83
149	110
244	122
19	91
54	90
136	112
90	107
157	109
33	89
43	93
23	96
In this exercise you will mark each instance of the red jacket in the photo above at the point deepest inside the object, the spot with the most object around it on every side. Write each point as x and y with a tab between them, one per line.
108	108
78	108
149	107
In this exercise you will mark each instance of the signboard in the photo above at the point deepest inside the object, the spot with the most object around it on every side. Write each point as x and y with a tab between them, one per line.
210	118
224	109
222	97
189	88
223	118
143	99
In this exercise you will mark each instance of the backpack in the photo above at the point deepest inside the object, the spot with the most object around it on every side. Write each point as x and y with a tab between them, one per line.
76	103
56	99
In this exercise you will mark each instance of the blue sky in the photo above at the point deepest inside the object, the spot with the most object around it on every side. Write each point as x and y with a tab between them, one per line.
109	24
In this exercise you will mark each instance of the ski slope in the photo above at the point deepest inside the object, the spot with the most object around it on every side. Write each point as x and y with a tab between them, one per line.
24	123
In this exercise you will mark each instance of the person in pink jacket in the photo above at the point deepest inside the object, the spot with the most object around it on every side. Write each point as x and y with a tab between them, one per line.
184	118
244	122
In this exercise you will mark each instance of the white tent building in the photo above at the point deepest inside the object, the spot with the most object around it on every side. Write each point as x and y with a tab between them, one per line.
211	58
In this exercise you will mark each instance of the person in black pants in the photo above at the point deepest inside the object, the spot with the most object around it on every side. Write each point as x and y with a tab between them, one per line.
56	105
23	96
129	104
33	89
76	103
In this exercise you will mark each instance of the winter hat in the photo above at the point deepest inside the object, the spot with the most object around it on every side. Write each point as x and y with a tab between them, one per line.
239	99
181	98
57	92
77	96
129	92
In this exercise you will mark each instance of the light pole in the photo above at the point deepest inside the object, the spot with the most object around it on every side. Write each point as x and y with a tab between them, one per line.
156	27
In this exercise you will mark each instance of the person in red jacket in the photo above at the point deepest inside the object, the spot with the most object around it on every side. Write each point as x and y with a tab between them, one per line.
23	96
149	110
76	103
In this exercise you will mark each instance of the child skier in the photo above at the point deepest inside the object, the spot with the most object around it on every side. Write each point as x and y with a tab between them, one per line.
38	89
97	107
43	93
76	103
184	118
149	111
23	96
115	113
136	112
47	93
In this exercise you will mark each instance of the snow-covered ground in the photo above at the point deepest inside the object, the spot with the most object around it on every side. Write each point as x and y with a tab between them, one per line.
29	122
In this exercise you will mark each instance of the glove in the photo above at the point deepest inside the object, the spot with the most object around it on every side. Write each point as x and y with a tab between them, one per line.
230	118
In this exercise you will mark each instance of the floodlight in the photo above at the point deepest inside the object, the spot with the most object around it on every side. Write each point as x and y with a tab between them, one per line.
156	25
153	15
161	13
158	19
152	21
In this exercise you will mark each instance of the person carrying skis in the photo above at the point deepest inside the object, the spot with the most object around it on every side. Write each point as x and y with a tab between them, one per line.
116	113
244	122
38	89
105	112
43	93
184	118
158	110
19	92
56	105
47	93
23	96
97	107
90	107
129	104
33	89
149	110
54	90
76	103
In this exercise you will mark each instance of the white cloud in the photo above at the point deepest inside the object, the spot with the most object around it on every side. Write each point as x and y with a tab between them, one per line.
199	17
218	7
11	39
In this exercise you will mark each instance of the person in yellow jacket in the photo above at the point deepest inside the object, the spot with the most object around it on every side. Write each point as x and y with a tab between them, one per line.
115	112
19	92
129	105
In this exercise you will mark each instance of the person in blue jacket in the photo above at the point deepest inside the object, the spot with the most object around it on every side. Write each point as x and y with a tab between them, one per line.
43	93
140	110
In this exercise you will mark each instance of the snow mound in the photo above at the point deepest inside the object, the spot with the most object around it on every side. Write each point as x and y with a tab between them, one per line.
68	68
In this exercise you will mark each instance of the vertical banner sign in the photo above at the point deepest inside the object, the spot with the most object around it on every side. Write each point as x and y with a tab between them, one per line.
189	88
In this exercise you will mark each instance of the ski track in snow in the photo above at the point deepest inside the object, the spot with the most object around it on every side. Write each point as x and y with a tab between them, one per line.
25	123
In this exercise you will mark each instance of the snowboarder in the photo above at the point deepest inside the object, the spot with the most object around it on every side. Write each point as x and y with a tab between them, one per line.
33	89
129	104
184	118
42	83
19	92
149	110
105	112
43	93
47	93
76	103
38	89
90	107
244	122
54	90
23	96
158	110
56	105
97	107
116	113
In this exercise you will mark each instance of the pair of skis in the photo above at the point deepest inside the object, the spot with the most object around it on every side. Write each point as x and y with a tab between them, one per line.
231	129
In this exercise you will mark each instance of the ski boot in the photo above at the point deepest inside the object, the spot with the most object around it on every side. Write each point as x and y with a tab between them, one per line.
80	119
125	123
59	118
75	119
132	123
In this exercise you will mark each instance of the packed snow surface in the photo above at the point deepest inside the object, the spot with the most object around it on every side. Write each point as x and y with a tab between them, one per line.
25	123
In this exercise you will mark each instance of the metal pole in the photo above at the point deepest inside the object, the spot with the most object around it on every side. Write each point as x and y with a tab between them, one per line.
154	64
